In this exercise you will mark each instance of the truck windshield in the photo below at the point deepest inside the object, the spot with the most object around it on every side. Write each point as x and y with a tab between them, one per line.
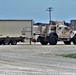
67	29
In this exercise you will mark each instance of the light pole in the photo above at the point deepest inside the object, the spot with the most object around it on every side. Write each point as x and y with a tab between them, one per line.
49	9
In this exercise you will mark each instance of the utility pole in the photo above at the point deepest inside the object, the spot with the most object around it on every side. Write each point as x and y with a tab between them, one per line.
49	9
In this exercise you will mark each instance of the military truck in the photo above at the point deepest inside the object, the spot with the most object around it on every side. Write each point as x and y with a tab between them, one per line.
54	33
14	31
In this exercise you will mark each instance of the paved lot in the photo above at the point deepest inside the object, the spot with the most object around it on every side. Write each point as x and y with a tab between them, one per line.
37	60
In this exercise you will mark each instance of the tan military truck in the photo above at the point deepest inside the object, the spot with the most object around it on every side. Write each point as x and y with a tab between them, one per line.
14	31
54	33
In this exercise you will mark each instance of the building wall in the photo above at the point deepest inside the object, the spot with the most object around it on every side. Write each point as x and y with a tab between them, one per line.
73	24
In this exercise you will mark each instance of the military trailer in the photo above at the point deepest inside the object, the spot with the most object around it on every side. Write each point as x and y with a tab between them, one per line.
13	31
54	33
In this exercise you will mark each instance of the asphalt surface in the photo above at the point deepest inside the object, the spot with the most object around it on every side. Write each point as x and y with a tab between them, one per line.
36	59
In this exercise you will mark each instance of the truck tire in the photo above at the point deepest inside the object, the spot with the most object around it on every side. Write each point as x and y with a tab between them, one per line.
13	42
0	42
67	42
74	40
43	41
38	39
6	42
52	40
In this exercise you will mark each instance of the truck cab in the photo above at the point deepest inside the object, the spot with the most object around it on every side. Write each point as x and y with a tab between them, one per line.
64	32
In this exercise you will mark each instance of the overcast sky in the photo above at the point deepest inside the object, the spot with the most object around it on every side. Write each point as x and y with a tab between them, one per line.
36	9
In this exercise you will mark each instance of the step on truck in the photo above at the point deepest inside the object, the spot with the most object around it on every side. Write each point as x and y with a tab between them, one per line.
53	33
14	31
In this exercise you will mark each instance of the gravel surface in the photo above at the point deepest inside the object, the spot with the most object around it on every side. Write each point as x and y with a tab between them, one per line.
36	59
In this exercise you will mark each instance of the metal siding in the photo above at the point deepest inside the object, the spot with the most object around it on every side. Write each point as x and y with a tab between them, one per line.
14	28
73	24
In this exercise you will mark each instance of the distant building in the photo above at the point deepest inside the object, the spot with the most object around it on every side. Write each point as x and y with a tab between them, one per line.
52	23
57	22
73	24
60	22
43	24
